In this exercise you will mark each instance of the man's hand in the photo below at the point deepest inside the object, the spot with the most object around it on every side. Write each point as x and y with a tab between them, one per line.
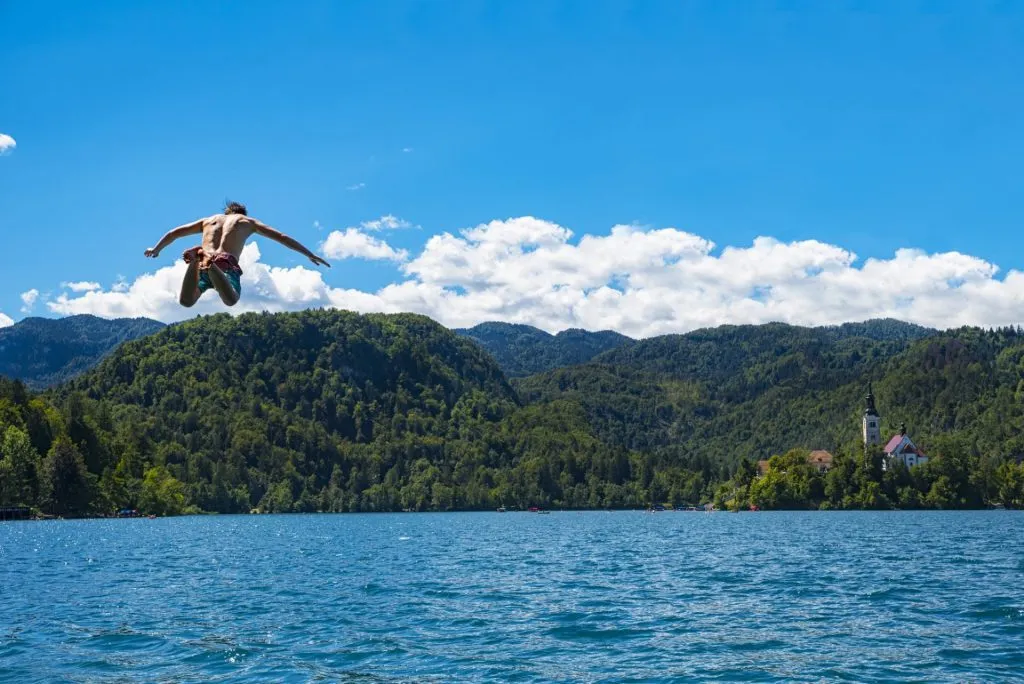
318	261
152	252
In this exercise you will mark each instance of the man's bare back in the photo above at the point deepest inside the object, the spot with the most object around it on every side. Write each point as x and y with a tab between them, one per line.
214	264
227	233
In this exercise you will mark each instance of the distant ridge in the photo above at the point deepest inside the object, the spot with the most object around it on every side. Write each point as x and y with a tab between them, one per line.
882	329
523	350
42	352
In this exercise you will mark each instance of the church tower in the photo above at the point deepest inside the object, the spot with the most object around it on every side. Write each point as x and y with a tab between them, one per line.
872	421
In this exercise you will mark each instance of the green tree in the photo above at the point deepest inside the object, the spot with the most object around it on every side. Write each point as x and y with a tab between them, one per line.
161	493
65	482
19	469
942	494
1010	478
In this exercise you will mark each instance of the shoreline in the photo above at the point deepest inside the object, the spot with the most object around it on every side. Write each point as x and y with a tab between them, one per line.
991	509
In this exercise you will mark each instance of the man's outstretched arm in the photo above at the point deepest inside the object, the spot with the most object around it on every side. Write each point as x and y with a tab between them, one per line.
181	231
291	243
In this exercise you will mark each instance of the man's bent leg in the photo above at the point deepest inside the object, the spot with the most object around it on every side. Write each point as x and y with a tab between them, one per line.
224	288
190	285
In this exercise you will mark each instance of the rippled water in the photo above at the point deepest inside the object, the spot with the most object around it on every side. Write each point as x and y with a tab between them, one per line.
516	597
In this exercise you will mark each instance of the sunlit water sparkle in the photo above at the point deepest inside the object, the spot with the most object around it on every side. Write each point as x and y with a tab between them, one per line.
516	597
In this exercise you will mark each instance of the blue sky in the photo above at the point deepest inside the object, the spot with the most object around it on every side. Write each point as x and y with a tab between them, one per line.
870	127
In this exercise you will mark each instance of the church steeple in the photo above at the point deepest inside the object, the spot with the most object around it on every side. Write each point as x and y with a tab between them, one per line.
872	422
870	401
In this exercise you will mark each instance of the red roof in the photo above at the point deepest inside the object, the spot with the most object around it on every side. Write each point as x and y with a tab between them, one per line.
893	443
820	457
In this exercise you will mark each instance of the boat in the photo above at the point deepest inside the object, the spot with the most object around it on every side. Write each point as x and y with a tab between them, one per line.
501	509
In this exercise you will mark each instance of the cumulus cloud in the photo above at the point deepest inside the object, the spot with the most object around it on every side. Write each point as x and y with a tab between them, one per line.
5	321
353	243
7	144
386	222
357	186
637	280
28	300
82	286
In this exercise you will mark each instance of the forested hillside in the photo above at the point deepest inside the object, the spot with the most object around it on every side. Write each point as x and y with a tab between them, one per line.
523	350
312	411
738	394
333	411
732	391
42	352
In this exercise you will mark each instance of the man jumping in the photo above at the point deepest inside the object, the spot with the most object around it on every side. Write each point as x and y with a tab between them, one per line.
214	264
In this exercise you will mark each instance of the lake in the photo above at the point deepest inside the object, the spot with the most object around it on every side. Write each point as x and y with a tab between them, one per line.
516	597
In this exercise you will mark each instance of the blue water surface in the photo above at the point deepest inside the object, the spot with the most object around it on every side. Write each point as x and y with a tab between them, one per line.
516	597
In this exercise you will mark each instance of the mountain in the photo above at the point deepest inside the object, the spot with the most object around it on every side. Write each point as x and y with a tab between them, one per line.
319	410
739	362
324	410
731	391
753	391
42	352
523	350
334	411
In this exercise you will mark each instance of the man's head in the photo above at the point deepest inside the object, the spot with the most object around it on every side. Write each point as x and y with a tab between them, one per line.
235	208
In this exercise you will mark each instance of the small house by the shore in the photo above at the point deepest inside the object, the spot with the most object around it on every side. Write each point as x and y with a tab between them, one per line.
820	460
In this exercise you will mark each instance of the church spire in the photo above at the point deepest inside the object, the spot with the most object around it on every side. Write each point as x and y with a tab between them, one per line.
870	401
871	422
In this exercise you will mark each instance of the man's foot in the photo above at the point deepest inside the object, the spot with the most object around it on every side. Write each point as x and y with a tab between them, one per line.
192	254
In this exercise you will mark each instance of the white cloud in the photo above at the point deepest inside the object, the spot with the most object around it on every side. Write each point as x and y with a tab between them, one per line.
5	321
353	243
28	300
636	280
407	149
386	222
82	286
357	186
7	144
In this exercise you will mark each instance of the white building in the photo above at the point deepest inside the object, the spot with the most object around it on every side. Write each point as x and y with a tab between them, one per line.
902	448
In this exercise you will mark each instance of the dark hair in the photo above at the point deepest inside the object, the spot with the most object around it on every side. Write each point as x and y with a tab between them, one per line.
235	208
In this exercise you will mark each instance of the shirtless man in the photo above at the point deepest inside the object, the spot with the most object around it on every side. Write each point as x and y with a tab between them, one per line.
215	263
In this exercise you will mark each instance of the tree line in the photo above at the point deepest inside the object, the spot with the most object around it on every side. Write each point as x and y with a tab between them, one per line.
333	411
